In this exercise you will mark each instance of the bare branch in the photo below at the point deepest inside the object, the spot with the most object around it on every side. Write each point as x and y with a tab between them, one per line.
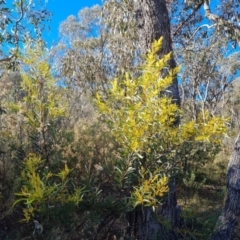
187	19
204	25
7	59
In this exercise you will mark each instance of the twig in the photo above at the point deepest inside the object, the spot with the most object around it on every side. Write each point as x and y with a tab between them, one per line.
190	16
7	59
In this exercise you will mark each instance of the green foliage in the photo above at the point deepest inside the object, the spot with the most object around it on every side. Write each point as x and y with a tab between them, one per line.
80	55
135	111
43	102
21	21
151	190
191	185
44	191
142	118
43	105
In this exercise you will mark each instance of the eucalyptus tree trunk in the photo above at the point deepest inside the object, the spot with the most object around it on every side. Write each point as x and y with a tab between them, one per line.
228	227
153	22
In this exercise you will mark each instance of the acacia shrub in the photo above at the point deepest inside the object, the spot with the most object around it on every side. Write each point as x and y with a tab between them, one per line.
142	119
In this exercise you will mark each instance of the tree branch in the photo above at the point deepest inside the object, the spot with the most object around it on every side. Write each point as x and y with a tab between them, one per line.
15	35
219	20
7	59
187	19
17	23
204	25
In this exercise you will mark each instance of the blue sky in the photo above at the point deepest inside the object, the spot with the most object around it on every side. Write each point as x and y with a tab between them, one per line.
61	9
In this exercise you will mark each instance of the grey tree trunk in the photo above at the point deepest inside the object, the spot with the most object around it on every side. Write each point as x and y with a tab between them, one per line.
228	227
153	23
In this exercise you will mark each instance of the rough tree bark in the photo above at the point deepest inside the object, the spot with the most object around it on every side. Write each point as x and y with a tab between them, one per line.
228	227
153	22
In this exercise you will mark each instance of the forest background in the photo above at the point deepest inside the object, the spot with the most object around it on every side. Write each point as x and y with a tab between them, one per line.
113	132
